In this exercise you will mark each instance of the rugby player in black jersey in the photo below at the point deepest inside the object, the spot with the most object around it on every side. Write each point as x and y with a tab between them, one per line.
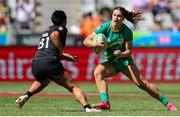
46	64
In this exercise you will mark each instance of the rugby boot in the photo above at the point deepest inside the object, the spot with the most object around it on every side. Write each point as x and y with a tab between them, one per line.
21	101
102	105
171	106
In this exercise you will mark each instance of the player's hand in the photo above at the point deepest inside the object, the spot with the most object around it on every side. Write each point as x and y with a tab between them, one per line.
100	44
74	59
117	52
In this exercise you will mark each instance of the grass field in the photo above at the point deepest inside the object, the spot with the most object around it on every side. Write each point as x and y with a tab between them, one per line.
126	100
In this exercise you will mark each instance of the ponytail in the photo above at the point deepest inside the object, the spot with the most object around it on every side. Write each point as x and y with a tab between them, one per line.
131	16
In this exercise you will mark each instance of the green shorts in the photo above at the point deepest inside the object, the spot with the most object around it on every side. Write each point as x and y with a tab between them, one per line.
120	64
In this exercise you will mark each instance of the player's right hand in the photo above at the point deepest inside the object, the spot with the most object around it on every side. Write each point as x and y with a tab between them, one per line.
100	44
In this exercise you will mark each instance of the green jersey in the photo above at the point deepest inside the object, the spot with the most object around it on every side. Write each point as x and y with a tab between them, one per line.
115	40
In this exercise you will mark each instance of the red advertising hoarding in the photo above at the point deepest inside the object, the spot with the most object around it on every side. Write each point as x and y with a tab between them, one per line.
155	64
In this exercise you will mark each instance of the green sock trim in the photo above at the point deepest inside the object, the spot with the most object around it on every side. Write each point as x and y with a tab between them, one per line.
104	97
164	100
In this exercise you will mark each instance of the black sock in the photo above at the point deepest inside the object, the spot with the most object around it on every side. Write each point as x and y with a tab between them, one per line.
29	94
87	106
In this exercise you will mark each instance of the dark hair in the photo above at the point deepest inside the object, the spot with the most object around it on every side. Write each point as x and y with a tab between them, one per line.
132	16
58	17
105	9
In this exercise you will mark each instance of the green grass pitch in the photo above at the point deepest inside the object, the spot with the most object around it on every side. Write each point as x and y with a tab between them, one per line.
126	100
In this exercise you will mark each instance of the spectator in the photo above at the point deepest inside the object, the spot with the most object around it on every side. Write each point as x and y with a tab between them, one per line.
91	22
143	5
24	13
105	14
161	7
176	25
88	24
158	24
85	24
4	15
164	9
164	6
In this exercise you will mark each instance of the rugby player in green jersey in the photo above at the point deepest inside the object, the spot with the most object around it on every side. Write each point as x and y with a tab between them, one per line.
118	57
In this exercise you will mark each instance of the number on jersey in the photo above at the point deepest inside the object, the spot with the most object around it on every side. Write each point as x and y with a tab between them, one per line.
44	42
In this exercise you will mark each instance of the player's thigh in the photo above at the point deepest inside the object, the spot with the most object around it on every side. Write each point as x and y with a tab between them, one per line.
38	69
133	73
54	71
44	82
105	69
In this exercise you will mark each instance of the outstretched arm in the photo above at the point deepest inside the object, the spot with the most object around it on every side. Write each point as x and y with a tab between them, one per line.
69	57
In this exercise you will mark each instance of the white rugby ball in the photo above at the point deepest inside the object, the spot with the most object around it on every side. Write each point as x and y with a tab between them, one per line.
100	38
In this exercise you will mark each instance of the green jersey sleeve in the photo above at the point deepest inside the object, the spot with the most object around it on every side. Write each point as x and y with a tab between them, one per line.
128	34
103	28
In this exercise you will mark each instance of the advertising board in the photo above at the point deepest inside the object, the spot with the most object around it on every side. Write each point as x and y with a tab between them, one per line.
155	64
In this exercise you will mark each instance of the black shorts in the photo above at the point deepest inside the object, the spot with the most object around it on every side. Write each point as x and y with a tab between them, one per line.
47	69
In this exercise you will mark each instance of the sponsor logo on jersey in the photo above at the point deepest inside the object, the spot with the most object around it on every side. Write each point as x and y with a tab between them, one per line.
121	40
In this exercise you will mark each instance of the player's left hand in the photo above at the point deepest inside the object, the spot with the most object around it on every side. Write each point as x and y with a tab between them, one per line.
117	52
74	59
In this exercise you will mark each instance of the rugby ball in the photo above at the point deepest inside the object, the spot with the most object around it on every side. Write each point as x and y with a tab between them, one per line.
100	38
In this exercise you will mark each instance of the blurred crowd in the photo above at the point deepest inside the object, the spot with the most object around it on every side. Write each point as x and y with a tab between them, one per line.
160	15
4	15
23	14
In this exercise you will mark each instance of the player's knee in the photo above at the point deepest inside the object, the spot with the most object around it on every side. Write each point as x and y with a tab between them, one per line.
76	89
45	84
144	85
98	73
72	88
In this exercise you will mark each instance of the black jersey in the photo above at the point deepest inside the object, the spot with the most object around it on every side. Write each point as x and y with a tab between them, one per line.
46	48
